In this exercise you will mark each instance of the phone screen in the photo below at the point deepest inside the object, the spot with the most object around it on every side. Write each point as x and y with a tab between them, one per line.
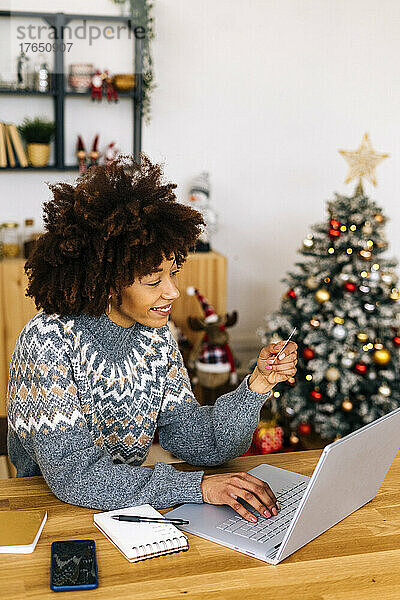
73	565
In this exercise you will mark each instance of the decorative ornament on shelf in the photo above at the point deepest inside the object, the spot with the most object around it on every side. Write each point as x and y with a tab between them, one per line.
322	295
110	153
97	86
308	353
199	199
81	155
293	439
332	374
381	356
94	154
111	92
363	162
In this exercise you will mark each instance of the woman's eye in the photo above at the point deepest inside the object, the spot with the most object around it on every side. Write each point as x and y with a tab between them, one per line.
175	273
153	284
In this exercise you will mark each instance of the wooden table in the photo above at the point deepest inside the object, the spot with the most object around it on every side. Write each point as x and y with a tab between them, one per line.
357	559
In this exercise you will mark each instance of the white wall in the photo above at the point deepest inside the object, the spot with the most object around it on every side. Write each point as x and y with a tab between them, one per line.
261	93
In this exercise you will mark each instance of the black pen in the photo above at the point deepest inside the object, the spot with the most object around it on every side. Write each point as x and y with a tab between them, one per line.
138	519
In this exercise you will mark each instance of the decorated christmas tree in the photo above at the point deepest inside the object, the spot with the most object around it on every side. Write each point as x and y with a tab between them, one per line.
344	302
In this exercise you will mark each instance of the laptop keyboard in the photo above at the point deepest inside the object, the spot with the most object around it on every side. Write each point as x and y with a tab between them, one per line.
265	529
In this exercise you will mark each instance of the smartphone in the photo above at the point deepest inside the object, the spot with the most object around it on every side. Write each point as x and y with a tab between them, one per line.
73	565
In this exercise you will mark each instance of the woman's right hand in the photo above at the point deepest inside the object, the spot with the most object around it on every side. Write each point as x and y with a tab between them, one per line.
228	488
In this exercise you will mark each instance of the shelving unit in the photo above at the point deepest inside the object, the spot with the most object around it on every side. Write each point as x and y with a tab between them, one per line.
59	93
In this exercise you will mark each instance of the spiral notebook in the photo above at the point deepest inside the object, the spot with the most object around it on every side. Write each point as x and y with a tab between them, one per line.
138	541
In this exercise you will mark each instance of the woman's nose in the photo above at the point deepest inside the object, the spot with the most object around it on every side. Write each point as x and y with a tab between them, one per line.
170	291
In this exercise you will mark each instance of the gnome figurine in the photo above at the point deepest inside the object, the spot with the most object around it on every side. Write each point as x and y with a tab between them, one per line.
199	198
212	356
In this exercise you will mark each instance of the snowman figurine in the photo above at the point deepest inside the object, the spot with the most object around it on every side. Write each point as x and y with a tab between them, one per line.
199	199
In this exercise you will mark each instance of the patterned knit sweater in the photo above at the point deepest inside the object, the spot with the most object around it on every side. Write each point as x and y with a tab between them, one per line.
85	397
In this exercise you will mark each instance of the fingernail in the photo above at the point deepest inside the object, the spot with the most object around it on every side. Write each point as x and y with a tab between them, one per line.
254	519
274	511
281	356
278	506
267	513
268	367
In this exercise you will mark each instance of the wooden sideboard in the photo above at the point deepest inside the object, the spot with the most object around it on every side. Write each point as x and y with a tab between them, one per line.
15	311
206	271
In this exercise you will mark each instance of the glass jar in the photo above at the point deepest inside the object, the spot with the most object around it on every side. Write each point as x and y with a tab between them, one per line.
10	240
29	237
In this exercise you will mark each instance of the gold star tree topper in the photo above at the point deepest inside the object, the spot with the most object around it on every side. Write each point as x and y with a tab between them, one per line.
363	161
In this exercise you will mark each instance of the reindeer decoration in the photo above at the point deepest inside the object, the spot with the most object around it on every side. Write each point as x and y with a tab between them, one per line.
211	356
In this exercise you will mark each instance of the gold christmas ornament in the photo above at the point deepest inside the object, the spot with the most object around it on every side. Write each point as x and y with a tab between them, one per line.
338	320
312	283
381	357
322	295
394	294
365	254
314	323
362	337
363	161
294	439
332	374
347	405
378	218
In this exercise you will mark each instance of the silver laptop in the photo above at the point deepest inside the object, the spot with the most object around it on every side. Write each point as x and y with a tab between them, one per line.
349	473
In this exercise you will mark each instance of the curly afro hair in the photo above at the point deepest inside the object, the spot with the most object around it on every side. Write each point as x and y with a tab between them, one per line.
114	225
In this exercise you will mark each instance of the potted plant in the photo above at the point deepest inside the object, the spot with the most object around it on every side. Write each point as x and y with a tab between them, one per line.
37	134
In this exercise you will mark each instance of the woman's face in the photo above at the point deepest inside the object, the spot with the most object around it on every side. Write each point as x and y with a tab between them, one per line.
148	300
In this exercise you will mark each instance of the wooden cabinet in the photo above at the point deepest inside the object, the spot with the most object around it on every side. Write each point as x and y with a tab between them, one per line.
15	311
206	271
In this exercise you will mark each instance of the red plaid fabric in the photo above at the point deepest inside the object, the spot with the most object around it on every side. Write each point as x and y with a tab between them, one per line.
212	355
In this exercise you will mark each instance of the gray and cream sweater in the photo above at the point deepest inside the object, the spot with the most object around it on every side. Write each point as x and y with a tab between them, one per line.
85	397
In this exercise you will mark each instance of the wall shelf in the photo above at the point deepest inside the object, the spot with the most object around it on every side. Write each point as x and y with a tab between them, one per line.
59	93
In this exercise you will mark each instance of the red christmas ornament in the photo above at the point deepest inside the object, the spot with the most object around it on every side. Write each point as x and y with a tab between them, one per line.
304	428
361	367
291	293
334	224
350	286
335	233
316	395
308	353
396	340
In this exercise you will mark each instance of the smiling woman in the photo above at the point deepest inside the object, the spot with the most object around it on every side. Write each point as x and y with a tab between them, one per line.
97	370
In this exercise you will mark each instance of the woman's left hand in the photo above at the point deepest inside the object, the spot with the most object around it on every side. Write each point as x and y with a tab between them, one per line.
268	373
